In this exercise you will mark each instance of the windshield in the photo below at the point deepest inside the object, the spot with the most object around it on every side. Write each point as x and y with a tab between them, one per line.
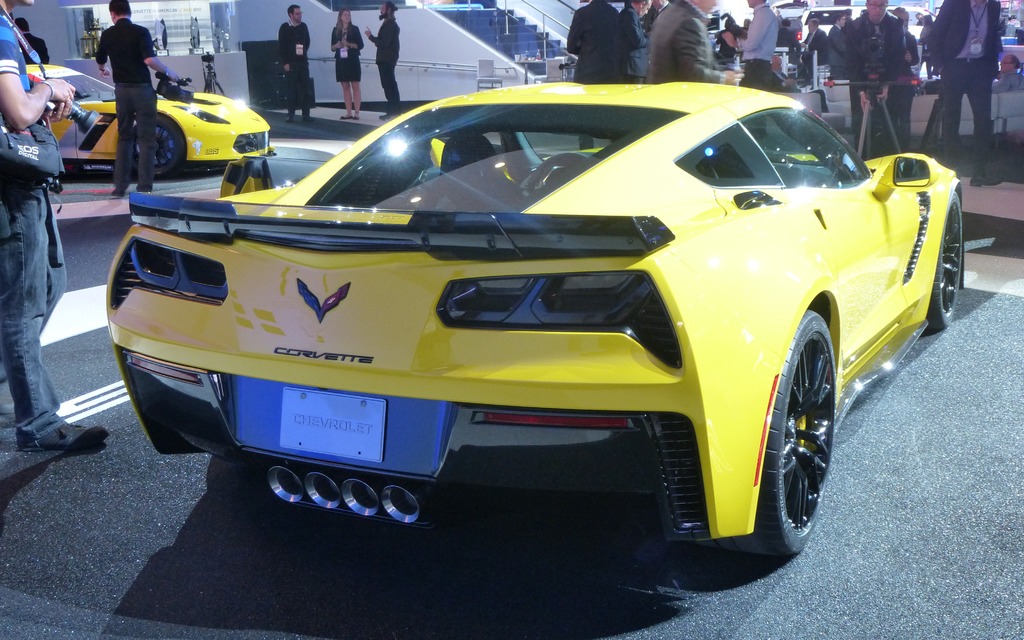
489	158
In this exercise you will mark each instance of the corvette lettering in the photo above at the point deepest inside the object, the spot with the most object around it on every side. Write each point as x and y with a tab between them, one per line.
323	355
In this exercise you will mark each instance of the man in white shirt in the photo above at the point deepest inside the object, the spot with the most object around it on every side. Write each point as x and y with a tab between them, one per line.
758	47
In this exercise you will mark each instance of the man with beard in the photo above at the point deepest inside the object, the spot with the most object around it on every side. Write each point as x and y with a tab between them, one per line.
387	45
293	46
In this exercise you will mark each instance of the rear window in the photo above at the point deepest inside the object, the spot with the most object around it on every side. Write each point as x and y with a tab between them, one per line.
488	158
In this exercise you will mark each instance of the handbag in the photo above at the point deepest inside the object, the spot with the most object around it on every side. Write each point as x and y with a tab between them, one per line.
31	155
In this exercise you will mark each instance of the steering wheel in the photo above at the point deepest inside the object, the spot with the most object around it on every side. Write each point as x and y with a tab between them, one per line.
553	172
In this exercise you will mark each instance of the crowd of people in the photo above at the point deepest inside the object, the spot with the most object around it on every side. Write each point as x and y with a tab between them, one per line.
875	53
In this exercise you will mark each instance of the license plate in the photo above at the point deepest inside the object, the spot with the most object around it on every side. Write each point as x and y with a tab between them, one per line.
333	423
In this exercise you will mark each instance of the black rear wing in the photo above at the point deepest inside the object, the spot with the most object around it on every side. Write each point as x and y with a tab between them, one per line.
443	235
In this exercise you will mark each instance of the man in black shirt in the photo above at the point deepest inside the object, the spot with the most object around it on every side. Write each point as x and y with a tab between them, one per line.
129	48
293	45
387	45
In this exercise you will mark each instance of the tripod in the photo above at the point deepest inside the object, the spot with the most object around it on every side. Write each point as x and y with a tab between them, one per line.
864	144
210	80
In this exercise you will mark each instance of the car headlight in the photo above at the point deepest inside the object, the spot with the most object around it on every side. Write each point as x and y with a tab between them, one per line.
614	302
205	116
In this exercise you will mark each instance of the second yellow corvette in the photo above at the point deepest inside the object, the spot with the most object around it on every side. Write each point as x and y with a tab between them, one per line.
212	130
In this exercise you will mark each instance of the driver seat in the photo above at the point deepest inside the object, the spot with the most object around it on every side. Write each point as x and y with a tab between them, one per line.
463	149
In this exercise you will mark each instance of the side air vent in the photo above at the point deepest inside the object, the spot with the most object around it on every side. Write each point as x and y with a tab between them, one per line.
680	469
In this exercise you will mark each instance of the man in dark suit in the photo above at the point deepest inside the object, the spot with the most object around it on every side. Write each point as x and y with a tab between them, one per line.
965	46
592	39
632	41
817	42
35	42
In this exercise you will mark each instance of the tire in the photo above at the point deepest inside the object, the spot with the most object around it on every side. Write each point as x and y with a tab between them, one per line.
799	447
170	148
948	269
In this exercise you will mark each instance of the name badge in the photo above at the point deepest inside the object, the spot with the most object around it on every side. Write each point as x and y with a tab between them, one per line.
976	47
298	49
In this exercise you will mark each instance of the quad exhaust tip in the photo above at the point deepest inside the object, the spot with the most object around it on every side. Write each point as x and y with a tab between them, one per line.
399	503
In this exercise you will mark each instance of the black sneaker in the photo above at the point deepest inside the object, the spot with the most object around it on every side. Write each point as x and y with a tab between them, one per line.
68	437
985	181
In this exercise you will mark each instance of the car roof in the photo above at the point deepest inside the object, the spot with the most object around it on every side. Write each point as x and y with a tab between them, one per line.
686	98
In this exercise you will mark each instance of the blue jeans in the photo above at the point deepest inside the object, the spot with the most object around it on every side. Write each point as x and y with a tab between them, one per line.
32	280
135	106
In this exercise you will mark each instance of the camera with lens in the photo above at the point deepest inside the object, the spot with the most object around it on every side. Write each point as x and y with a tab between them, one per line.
81	116
207	58
874	60
171	90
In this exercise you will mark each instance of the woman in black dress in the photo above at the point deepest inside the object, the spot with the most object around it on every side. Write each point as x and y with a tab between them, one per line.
346	43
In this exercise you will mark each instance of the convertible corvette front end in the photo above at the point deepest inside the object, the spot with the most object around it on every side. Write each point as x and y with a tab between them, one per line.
670	290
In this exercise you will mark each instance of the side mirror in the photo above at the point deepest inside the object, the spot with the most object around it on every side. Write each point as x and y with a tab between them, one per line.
908	171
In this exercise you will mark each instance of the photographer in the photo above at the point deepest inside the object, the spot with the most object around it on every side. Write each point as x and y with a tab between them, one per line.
875	49
32	273
129	48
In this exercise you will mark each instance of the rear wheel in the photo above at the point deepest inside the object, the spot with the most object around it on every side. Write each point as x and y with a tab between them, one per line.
799	447
948	270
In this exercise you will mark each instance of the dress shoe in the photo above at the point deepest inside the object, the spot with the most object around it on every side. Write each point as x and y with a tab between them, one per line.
290	119
116	195
307	119
67	437
985	181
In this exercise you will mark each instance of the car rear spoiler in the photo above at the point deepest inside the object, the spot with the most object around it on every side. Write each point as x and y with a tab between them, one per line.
443	235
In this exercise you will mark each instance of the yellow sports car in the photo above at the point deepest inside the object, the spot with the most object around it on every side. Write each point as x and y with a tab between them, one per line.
673	290
210	130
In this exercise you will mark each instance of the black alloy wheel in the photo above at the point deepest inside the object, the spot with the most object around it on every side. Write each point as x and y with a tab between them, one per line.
799	448
948	270
170	148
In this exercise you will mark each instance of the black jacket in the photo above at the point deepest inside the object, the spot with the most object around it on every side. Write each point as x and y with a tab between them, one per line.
632	43
883	60
592	39
287	39
387	42
949	34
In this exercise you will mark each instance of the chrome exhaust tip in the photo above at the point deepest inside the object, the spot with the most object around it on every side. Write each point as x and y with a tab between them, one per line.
360	497
400	504
285	484
322	490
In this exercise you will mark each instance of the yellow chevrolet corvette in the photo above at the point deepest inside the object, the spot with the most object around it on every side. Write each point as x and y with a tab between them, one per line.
211	130
672	290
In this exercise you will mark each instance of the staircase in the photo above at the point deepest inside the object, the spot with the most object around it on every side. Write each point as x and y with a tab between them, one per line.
504	30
